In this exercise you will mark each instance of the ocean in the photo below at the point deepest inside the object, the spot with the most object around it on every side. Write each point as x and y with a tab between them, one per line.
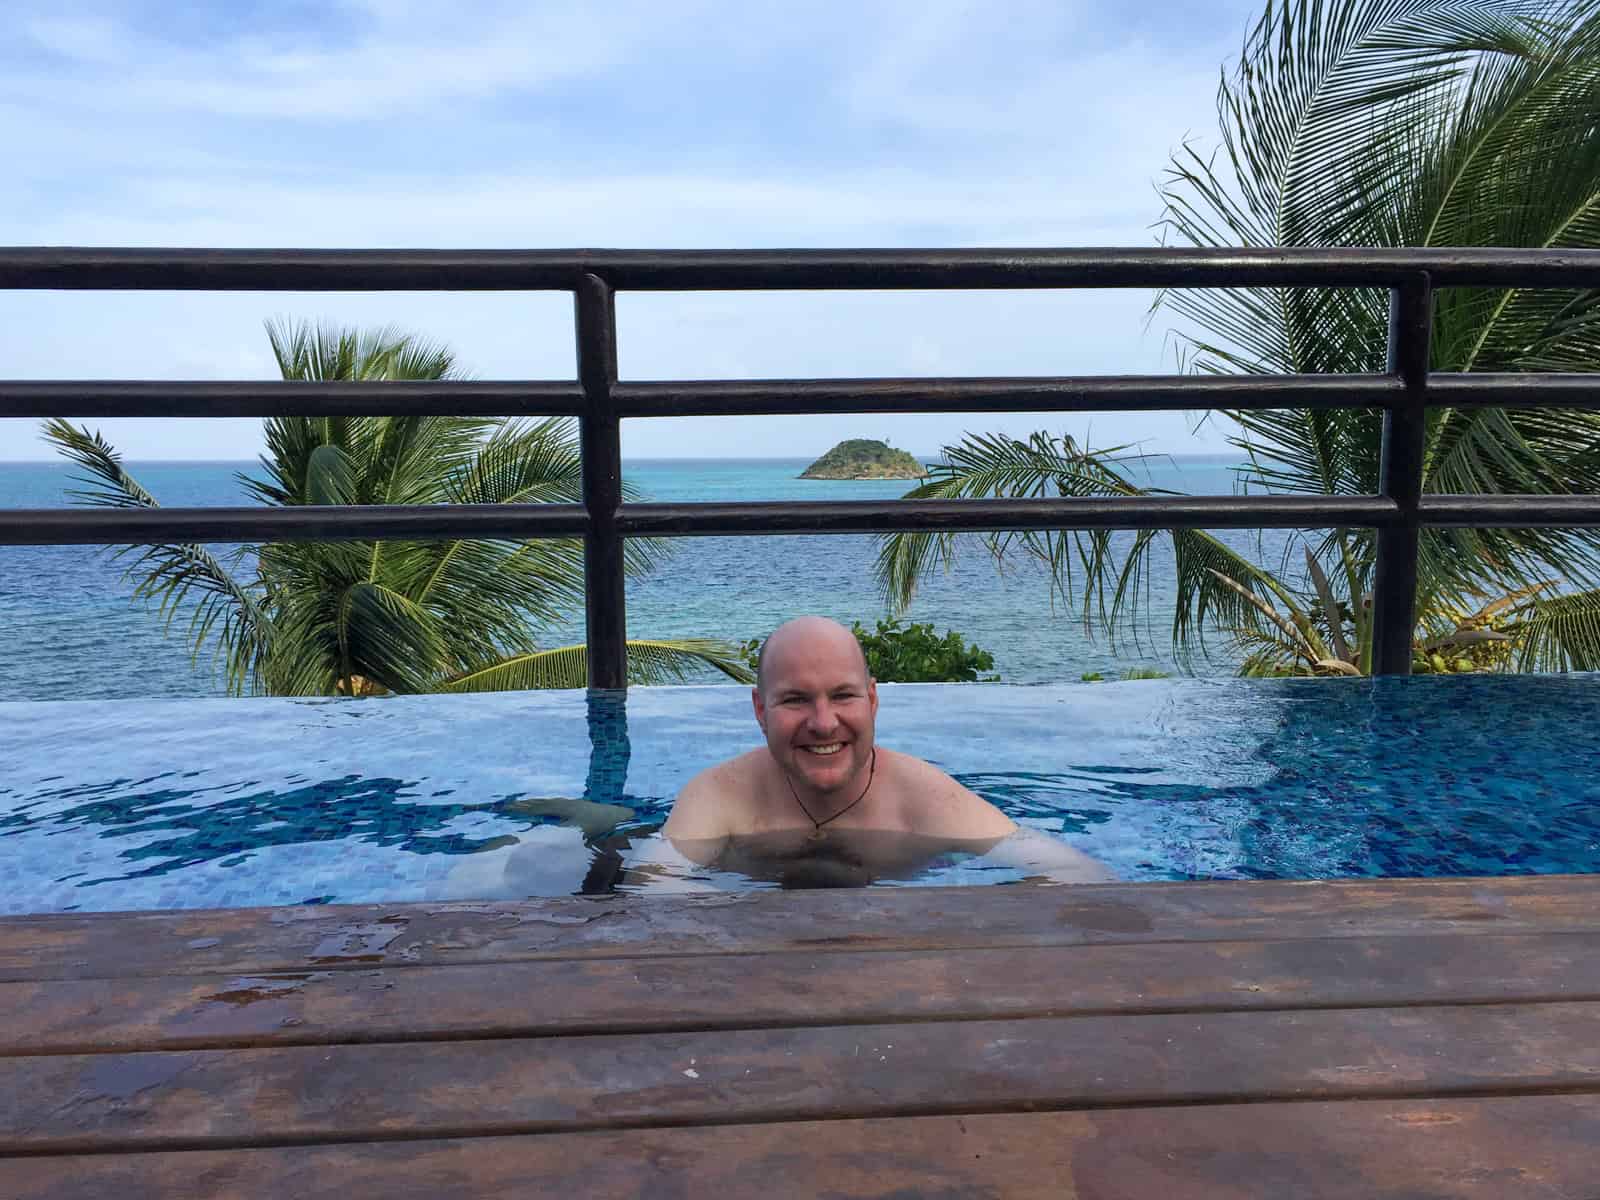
70	628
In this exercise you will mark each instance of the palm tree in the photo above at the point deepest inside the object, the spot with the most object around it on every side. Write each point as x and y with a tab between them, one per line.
360	618
1364	123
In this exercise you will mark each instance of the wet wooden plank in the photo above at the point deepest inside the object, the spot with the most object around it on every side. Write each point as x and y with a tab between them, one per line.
354	937
213	1098
552	997
1530	1148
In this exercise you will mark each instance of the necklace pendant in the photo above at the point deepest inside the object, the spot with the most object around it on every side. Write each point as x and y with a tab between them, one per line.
816	833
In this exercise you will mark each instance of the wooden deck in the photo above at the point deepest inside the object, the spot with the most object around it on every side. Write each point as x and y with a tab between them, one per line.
1165	1042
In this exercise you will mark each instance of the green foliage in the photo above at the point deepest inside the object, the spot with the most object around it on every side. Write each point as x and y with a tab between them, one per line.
1132	673
1360	123
909	654
915	654
365	618
858	458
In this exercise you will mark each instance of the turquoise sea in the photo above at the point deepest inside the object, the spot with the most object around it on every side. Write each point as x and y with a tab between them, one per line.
69	628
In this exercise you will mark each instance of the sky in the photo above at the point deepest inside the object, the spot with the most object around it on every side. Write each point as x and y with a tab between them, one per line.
659	124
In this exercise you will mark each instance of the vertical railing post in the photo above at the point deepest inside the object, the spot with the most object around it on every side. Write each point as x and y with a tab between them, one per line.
1394	590
600	438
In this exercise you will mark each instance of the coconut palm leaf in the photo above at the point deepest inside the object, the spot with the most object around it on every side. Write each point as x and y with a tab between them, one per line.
521	463
364	617
1356	122
1330	607
1559	633
173	576
997	466
1295	633
1408	122
649	662
1267	653
1115	569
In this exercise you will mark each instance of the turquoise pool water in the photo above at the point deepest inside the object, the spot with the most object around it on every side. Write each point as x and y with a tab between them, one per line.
108	805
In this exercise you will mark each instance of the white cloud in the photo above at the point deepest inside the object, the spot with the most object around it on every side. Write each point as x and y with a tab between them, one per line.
640	124
396	60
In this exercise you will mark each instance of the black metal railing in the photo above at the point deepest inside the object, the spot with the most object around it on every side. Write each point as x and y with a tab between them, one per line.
600	401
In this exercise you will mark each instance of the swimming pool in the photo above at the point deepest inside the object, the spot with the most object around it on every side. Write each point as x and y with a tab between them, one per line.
108	805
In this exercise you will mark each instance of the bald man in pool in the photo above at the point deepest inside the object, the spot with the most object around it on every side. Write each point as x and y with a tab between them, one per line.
821	797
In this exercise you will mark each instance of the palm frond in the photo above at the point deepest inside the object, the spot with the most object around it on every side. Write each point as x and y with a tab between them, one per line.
1407	122
365	631
361	617
1559	633
1330	607
649	662
1115	569
994	465
174	576
1297	635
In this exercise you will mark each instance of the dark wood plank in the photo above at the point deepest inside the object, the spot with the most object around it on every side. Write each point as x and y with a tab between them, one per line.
211	1098
540	998
334	938
1527	1148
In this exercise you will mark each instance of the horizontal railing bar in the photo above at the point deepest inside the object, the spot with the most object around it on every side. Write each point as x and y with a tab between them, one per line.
735	397
138	526
946	516
1109	393
1508	390
1512	512
422	522
279	398
685	270
750	397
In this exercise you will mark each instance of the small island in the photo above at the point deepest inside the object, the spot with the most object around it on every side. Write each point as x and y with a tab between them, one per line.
863	458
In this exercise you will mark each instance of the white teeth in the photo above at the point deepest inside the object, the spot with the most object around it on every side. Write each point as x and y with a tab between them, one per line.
830	748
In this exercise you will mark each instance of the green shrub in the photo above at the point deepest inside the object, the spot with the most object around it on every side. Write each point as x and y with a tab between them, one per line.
1145	673
911	654
915	654
1130	673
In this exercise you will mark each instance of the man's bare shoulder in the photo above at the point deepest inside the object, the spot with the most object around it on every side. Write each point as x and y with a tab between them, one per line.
936	805
717	801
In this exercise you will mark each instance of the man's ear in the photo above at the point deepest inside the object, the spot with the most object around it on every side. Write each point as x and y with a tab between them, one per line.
760	707
872	695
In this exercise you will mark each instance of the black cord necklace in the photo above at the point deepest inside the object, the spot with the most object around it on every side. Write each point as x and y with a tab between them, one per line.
871	772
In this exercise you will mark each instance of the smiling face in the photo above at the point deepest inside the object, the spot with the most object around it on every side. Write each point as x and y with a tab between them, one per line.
816	704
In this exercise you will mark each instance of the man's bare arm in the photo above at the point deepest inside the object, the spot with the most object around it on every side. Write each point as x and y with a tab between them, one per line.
940	807
700	822
1039	853
660	865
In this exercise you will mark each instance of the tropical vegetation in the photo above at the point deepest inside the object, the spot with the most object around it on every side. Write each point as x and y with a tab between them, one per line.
865	458
369	617
916	654
1360	123
910	654
1131	673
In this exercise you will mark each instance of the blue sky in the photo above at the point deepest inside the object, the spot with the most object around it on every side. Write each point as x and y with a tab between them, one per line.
678	123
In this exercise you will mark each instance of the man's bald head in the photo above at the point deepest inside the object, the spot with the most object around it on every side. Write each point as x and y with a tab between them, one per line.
802	636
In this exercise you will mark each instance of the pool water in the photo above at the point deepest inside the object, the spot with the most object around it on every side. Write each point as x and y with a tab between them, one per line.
111	805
